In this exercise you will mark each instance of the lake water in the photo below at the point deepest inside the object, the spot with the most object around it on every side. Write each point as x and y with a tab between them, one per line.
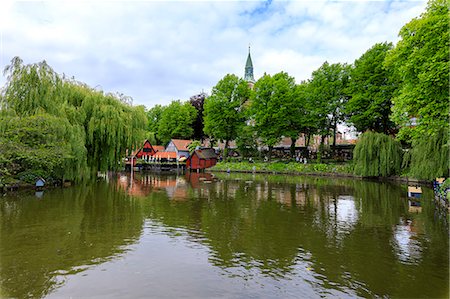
227	236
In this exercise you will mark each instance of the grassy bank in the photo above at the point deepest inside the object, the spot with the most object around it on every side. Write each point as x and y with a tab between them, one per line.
286	167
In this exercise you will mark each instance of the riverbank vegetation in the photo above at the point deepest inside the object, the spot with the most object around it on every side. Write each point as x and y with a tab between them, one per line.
396	96
286	167
58	128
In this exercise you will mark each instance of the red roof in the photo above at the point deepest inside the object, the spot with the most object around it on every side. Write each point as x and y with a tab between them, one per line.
166	155
181	145
158	148
206	153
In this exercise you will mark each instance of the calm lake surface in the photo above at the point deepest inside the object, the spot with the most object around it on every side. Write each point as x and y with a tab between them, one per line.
227	236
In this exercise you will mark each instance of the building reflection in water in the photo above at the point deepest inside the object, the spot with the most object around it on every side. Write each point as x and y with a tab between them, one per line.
406	241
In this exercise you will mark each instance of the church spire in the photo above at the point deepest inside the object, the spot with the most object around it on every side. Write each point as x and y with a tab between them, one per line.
249	68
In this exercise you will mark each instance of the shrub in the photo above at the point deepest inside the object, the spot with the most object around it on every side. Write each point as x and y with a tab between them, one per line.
377	154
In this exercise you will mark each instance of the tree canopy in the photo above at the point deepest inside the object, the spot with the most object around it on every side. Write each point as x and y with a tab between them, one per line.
223	110
273	108
371	89
176	121
327	89
72	127
421	60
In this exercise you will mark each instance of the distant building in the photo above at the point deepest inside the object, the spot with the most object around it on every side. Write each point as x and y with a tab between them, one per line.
148	150
179	146
249	71
202	158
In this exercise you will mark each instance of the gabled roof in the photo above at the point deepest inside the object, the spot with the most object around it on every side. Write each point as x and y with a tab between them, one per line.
181	144
165	155
158	148
206	153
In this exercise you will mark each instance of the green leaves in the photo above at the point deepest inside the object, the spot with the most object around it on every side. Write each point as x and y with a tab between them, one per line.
224	109
63	127
273	108
371	87
176	121
377	154
421	60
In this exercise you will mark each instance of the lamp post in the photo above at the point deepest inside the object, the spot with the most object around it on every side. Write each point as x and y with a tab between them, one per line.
131	170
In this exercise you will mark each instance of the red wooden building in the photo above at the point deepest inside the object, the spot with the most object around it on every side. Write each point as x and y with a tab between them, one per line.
201	159
148	150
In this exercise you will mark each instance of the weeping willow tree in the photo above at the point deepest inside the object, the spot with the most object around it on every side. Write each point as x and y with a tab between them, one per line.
49	118
377	154
429	156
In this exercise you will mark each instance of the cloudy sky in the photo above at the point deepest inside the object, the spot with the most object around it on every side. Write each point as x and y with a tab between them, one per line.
158	51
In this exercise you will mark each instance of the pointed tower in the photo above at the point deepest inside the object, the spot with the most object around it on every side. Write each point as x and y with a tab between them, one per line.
249	70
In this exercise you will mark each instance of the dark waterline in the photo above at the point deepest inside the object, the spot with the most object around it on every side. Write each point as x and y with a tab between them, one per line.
238	236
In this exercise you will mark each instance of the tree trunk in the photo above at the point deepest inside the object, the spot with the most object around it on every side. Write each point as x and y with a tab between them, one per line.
319	153
307	141
334	136
225	150
293	147
270	152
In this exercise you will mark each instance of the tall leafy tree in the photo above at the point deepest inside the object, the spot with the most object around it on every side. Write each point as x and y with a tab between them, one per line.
421	60
97	128
371	89
154	116
327	89
377	154
198	101
176	121
224	109
302	118
274	110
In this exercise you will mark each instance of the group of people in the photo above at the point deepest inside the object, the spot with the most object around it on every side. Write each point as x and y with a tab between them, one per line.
301	159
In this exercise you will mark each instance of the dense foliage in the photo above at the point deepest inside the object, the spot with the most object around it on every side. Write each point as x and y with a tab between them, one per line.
327	90
371	87
421	60
223	110
58	128
430	156
198	101
377	154
176	121
269	107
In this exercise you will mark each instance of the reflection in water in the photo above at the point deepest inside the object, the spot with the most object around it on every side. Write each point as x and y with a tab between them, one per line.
407	242
205	235
62	233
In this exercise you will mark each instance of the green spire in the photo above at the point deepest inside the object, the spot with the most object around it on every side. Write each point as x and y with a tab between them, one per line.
249	68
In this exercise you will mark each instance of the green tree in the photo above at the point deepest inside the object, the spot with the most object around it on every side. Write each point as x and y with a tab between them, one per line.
37	145
193	145
224	109
246	141
154	116
274	111
327	90
371	87
302	117
429	156
377	154
176	121
97	128
421	60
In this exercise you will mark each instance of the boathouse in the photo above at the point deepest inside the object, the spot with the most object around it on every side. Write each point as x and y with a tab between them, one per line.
179	146
148	150
201	159
165	156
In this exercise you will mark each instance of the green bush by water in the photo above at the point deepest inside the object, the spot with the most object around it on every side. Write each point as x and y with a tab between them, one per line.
377	154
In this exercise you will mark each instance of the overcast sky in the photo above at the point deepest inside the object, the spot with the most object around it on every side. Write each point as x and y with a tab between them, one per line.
158	51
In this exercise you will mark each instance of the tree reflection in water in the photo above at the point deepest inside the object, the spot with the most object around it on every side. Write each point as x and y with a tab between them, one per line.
344	235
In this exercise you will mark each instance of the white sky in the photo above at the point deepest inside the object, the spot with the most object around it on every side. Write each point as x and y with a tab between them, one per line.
158	51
